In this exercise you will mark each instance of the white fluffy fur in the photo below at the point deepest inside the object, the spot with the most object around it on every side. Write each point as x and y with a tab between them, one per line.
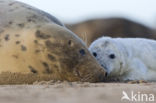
135	58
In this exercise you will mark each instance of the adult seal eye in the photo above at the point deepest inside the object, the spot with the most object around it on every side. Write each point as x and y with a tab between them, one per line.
112	56
82	52
94	54
70	43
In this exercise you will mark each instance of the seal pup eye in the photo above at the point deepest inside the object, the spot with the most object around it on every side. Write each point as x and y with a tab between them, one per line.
82	52
112	56
94	54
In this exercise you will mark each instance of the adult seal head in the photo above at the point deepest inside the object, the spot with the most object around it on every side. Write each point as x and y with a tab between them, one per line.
36	46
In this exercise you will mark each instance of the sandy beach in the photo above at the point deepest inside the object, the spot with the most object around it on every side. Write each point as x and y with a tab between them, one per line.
74	92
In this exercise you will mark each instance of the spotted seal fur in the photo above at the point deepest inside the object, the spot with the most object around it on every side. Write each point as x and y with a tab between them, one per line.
36	46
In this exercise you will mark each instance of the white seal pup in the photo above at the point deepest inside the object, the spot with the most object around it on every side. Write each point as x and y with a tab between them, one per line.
126	58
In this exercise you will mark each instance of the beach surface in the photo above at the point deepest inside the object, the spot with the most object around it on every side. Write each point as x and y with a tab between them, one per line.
75	92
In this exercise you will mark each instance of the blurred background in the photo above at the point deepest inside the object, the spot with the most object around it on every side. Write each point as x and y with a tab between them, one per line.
71	11
90	19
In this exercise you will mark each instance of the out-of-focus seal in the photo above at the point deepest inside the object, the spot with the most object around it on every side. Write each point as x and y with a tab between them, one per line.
126	58
90	30
36	46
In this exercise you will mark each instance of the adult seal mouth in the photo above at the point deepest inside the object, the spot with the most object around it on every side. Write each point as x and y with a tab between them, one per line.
37	47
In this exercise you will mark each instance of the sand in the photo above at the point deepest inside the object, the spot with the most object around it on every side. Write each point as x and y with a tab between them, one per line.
75	92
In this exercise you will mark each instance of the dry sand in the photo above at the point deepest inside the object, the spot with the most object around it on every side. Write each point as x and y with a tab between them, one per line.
72	92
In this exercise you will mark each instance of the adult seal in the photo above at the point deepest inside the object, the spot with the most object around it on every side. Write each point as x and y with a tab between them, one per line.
35	46
92	29
126	58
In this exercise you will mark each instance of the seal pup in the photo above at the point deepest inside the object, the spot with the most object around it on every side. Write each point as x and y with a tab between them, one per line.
126	58
34	42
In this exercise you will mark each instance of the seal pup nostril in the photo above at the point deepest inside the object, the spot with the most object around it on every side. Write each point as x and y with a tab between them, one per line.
103	66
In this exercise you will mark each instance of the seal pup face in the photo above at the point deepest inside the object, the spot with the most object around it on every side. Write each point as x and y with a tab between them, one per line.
107	54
